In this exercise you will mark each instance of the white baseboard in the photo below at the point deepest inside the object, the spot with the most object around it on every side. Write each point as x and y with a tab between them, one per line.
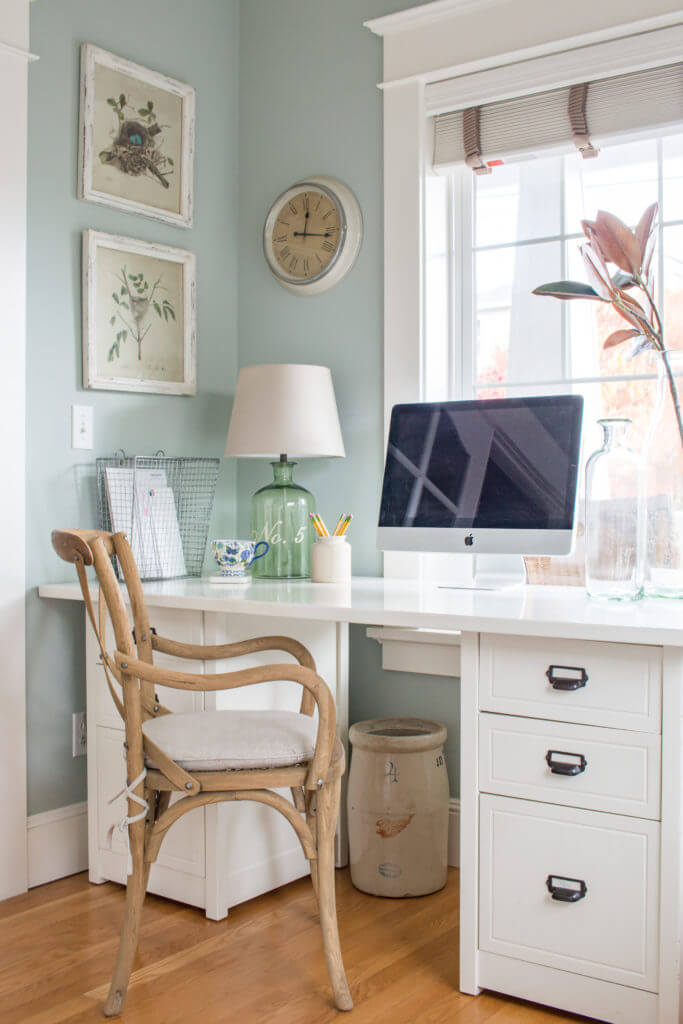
454	832
57	843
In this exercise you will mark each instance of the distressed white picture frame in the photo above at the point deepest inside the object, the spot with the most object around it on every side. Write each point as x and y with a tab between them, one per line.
98	299
93	57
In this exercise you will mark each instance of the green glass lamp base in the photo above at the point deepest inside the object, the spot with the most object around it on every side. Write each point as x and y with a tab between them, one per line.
280	516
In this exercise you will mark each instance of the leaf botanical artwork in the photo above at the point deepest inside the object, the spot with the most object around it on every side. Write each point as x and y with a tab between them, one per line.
628	288
136	138
138	315
134	305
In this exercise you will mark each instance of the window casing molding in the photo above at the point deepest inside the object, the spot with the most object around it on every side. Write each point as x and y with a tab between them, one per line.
591	61
407	164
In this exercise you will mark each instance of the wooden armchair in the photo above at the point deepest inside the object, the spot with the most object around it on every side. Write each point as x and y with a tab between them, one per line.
210	756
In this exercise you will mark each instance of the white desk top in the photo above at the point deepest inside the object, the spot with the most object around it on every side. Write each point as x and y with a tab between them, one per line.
564	612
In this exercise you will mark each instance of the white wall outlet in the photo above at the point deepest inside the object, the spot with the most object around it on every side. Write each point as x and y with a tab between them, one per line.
79	734
81	426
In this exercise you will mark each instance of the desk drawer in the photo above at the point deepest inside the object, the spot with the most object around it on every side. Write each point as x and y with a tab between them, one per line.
603	868
605	684
576	765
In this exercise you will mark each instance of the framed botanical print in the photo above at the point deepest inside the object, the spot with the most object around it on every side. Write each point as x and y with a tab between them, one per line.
136	138
139	319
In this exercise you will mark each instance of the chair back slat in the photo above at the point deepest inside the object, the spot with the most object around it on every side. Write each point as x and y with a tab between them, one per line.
111	592
97	548
143	631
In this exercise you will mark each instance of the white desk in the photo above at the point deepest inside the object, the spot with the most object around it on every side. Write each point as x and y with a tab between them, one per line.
613	953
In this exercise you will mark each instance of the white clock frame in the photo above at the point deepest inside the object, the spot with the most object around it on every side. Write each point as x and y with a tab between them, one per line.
350	236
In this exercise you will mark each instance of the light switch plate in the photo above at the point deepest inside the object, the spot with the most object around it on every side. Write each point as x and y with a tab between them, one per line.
81	426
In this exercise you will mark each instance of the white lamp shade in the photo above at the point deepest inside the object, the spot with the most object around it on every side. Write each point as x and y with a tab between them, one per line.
284	408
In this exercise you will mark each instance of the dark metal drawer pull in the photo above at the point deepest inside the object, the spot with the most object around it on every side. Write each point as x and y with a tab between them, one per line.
559	682
565	767
563	893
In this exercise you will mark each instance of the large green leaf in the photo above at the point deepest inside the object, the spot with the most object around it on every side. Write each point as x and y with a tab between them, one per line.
568	290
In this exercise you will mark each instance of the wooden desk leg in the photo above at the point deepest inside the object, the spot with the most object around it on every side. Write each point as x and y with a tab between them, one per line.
341	696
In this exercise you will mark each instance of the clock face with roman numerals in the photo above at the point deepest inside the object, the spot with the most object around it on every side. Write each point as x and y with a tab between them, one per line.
306	235
312	235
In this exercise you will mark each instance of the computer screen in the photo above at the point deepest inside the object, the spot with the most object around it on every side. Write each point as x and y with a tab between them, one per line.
491	465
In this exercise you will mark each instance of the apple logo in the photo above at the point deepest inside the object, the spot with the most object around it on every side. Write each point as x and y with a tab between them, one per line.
469	540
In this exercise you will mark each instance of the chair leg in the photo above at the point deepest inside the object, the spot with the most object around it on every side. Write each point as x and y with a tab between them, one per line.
135	897
328	809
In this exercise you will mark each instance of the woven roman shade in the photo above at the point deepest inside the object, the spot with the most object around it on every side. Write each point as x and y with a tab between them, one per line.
583	115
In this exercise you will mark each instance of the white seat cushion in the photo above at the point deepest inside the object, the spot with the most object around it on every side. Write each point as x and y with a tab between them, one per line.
216	741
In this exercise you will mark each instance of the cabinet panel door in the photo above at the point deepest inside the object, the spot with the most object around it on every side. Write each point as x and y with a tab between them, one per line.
534	862
183	848
256	849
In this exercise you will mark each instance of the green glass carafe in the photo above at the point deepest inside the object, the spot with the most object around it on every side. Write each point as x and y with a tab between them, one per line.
280	516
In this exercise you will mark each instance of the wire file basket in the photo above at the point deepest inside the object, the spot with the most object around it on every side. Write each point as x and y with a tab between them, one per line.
163	505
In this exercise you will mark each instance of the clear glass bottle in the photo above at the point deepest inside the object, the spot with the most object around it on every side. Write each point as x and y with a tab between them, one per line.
614	539
280	516
663	483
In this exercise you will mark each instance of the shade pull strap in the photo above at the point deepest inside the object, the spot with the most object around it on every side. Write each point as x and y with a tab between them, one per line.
127	791
471	132
576	108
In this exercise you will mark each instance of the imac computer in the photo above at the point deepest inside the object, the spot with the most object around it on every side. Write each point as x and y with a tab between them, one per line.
490	477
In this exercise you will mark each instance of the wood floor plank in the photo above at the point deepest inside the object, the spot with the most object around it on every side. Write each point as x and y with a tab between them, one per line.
264	963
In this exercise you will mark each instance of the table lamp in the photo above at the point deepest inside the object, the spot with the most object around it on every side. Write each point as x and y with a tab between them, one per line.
284	411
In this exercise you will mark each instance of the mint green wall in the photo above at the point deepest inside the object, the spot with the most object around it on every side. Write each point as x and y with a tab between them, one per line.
196	42
309	104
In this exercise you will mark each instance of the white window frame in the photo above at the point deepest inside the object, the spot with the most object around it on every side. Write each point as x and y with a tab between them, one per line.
462	250
418	82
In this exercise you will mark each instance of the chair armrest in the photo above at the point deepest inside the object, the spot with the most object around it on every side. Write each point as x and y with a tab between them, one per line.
215	652
131	669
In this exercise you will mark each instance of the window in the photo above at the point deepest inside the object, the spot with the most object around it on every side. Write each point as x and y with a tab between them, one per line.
492	238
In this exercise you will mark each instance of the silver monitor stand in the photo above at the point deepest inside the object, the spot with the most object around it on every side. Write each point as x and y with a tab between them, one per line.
492	572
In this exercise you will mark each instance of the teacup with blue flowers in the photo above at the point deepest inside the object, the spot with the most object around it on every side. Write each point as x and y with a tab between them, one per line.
233	557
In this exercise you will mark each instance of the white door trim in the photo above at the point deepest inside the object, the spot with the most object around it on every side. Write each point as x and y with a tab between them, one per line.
13	104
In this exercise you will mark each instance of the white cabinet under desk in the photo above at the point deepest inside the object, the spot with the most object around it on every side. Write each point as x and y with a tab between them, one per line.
570	775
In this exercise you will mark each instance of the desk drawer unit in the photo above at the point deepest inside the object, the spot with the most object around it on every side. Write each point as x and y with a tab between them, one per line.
612	685
569	889
575	765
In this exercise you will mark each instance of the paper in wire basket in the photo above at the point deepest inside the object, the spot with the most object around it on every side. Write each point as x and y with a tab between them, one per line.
163	505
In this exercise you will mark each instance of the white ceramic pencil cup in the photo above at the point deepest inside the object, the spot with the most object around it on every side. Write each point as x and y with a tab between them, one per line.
331	560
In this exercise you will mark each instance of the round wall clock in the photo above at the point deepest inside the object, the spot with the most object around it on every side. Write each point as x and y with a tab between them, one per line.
312	235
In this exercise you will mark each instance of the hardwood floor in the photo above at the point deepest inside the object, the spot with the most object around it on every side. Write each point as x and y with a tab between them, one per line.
264	965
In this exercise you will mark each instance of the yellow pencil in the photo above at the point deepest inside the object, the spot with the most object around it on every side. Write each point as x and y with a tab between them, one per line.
345	525
318	524
337	528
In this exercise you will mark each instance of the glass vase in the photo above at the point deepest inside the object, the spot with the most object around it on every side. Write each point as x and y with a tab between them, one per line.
614	539
280	516
663	483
